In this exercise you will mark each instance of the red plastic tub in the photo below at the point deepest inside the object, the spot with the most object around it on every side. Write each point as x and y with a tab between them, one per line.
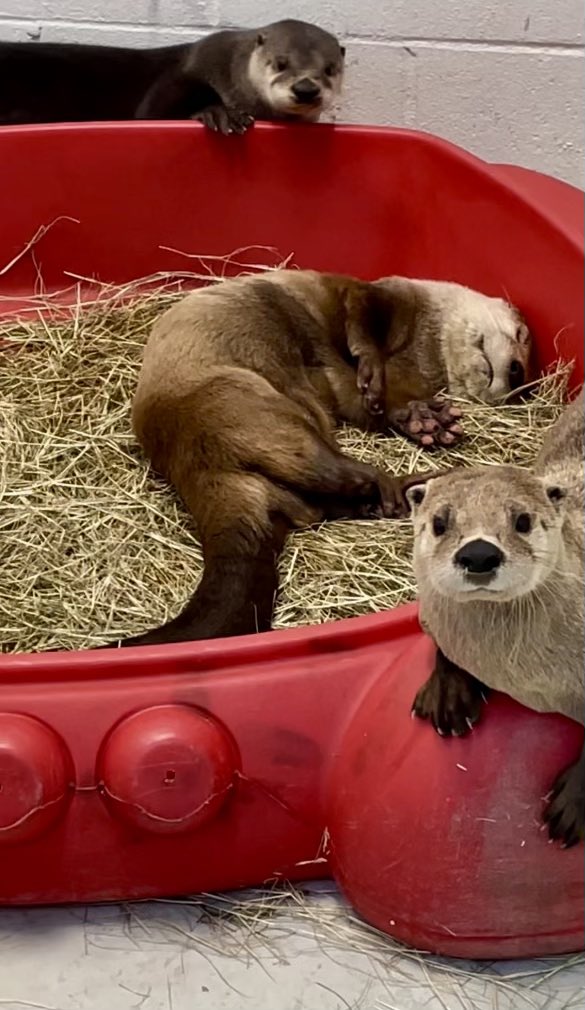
215	765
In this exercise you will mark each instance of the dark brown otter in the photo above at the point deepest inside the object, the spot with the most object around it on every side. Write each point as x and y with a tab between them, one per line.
286	70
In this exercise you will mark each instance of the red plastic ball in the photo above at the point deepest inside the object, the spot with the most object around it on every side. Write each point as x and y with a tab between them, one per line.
167	769
36	777
440	842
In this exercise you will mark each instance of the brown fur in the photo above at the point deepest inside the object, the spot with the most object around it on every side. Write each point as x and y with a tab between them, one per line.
241	386
519	629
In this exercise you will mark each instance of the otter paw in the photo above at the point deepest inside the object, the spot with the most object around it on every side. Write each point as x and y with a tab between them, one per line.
428	422
565	813
368	511
238	121
393	501
371	384
222	120
452	704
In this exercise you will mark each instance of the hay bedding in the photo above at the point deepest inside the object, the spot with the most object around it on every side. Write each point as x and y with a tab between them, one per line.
93	546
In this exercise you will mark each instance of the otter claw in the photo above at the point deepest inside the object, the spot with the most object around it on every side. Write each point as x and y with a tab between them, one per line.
222	120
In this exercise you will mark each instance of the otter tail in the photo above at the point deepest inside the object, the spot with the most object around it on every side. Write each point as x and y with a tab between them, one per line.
244	521
250	464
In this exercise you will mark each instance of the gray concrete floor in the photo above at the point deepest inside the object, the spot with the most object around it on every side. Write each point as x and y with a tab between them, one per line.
253	951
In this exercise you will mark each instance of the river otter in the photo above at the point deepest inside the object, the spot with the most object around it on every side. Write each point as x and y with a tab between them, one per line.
286	70
240	388
499	563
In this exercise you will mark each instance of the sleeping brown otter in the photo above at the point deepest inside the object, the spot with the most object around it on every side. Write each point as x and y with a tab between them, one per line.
241	386
286	70
499	557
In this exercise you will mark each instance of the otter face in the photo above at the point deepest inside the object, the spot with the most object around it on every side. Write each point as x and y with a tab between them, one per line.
488	348
297	69
491	533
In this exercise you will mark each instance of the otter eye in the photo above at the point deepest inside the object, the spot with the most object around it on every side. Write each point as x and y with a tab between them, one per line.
439	526
523	523
281	65
330	69
515	374
418	495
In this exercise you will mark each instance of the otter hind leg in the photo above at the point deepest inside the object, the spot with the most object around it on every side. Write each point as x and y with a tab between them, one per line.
250	464
243	523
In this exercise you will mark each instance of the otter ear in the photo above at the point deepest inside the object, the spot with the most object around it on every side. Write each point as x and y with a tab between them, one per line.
556	493
342	51
415	495
260	40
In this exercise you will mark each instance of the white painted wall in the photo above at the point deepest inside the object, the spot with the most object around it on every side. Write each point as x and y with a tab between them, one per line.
504	78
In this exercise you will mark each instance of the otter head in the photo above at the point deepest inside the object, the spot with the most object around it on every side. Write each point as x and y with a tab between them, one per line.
297	69
492	533
486	347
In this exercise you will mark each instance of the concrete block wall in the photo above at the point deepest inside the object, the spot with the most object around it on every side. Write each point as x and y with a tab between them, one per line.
503	78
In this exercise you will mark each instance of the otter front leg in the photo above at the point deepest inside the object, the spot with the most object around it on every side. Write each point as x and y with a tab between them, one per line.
222	119
428	422
451	698
565	814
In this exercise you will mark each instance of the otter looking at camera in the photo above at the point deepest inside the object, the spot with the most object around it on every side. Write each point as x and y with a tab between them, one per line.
499	562
286	70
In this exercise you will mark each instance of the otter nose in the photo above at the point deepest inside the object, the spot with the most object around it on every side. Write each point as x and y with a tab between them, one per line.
479	557
306	90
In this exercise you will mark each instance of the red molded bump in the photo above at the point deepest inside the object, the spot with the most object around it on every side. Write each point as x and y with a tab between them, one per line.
36	777
440	842
167	769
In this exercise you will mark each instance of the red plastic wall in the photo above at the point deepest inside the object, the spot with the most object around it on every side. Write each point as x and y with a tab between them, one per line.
214	765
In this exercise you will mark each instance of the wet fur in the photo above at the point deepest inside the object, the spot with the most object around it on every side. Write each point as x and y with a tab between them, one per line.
209	79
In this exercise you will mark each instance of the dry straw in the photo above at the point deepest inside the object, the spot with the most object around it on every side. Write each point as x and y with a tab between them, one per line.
260	926
95	547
